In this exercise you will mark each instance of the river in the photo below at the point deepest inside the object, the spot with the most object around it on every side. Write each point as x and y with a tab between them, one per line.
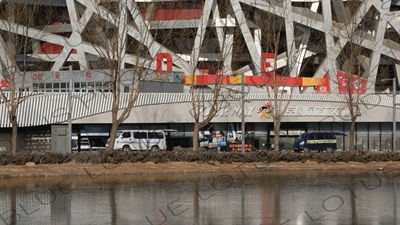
259	198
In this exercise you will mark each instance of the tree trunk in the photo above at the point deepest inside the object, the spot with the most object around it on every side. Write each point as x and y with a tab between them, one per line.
14	136
114	129
277	128
196	131
352	134
114	126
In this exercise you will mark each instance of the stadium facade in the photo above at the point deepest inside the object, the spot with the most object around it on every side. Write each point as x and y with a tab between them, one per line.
325	49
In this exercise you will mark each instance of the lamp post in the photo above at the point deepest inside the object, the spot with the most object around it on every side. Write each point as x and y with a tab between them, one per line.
69	133
243	123
394	91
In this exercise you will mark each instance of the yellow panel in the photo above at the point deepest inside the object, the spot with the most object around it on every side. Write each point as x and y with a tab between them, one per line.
235	79
189	79
309	81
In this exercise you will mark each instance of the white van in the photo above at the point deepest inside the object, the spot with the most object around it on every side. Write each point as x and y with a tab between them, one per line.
127	140
85	144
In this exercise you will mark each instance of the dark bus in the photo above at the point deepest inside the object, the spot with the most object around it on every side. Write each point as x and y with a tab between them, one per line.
316	141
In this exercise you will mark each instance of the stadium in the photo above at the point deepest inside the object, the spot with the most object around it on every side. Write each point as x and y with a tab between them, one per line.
313	55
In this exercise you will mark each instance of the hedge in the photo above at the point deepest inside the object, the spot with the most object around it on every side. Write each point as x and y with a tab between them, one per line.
115	157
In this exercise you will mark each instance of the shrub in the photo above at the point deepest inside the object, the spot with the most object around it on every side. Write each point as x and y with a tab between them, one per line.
115	157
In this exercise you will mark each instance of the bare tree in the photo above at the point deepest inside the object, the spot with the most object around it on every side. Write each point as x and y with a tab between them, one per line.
357	65
127	49
17	19
283	58
207	96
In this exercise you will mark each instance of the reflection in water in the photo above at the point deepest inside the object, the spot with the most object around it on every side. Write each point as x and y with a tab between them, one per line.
395	201
277	217
13	196
299	197
113	205
60	208
353	197
196	201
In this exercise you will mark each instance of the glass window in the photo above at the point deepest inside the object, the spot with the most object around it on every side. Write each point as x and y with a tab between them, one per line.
83	85
126	89
49	85
330	136
156	135
56	85
141	135
76	85
126	135
320	136
118	133
73	144
41	85
63	85
35	86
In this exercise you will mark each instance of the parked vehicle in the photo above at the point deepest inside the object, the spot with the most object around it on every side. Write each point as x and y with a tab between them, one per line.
214	141
316	141
85	144
127	140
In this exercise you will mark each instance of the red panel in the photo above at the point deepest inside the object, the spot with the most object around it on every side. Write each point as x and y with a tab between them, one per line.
284	81
176	14
4	83
160	57
50	48
264	63
255	80
350	83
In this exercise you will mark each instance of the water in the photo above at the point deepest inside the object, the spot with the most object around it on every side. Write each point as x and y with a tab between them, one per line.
260	198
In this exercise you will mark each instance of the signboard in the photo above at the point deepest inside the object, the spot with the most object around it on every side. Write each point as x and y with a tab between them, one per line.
38	141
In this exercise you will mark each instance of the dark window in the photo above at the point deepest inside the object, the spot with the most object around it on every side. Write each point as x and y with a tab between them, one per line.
126	89
330	136
140	135
126	135
156	135
319	136
143	135
73	144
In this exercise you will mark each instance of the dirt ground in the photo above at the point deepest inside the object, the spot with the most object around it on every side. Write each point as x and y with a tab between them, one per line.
92	170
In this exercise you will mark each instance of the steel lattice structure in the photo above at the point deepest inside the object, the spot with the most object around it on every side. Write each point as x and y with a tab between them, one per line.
314	34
